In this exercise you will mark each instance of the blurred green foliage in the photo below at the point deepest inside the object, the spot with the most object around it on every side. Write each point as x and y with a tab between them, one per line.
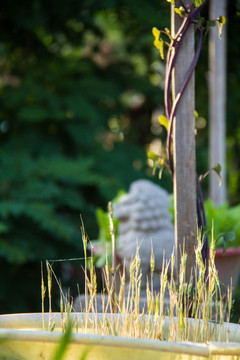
224	219
79	82
77	88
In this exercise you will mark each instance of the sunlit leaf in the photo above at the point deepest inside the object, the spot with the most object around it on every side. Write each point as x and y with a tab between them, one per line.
158	43
152	156
156	33
221	21
161	50
198	3
164	121
162	166
167	31
159	46
178	11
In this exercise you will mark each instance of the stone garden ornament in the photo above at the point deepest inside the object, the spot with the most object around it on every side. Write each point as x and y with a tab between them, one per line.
145	223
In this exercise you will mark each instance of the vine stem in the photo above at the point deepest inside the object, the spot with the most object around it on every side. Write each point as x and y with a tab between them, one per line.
171	57
191	14
179	95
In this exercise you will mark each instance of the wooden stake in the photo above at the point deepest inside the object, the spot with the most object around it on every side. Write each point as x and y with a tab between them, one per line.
217	93
184	150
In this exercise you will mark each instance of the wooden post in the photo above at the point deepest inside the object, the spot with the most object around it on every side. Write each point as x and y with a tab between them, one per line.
217	93
184	150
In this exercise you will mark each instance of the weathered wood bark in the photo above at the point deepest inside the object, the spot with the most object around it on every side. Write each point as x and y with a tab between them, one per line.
184	151
217	93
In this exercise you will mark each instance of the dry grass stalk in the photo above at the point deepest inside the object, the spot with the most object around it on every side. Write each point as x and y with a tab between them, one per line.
200	298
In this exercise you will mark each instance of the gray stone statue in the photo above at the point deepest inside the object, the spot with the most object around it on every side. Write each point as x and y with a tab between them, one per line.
145	222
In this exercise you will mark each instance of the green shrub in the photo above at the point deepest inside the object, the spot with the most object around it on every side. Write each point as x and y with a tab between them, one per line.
224	220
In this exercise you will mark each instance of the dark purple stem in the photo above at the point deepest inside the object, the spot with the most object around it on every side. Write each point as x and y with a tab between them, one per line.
171	57
202	224
173	51
178	98
201	200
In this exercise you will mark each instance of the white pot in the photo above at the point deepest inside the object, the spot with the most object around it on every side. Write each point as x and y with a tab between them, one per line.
22	338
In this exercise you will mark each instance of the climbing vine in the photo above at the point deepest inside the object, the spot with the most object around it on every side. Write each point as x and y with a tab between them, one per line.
190	15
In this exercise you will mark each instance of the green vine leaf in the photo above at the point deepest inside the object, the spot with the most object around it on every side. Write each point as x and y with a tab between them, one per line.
179	11
158	43
225	240
158	163
217	168
156	33
212	23
197	3
161	49
196	114
162	165
152	156
221	21
164	121
168	32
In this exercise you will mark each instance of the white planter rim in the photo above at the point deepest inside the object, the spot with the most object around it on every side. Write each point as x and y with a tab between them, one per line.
28	327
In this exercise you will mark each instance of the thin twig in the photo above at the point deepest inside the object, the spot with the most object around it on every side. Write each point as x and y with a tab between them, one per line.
113	237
